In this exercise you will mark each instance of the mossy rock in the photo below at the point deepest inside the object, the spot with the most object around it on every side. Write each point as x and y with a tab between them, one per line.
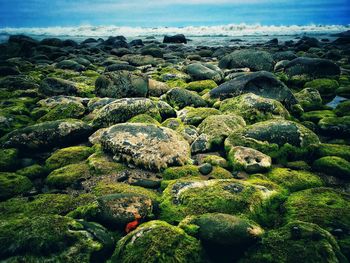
53	238
106	187
316	116
12	184
143	118
64	111
181	171
8	159
340	150
343	108
33	171
42	204
344	92
224	237
309	99
103	164
279	139
326	207
294	180
194	116
180	98
296	242
254	108
157	241
68	175
69	155
333	165
201	85
338	126
326	87
194	197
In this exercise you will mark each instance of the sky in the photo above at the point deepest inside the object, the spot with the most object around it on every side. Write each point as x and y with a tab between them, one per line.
152	13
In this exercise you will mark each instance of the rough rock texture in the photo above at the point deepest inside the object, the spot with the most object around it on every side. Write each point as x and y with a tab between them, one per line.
146	145
261	83
121	84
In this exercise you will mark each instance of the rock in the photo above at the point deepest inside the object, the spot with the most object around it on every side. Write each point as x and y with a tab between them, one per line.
343	109
205	169
157	239
294	180
70	64
296	242
8	159
8	71
124	109
186	197
254	108
253	59
69	155
17	82
121	84
140	60
326	149
145	145
98	103
248	159
47	135
329	208
304	69
53	238
334	166
326	87
119	66
120	209
180	38
261	83
68	176
157	88
309	98
199	71
57	86
284	55
339	126
12	184
180	98
214	130
194	116
276	138
201	85
224	236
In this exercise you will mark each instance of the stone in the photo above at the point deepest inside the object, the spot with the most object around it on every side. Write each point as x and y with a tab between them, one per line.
180	98
146	145
199	71
57	86
180	38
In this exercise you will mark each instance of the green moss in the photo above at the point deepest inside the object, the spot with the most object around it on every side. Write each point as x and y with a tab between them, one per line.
298	165
64	111
339	150
102	164
69	155
215	160
295	242
179	172
12	184
333	165
68	175
343	108
294	180
143	118
176	83
194	116
42	204
8	159
157	241
220	173
254	108
201	85
326	87
344	92
193	197
338	126
34	171
107	187
316	116
174	124
51	238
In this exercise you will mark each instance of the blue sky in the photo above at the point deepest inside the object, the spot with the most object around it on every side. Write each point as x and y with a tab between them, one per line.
150	13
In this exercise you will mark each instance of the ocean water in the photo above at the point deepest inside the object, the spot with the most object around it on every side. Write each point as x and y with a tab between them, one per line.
206	35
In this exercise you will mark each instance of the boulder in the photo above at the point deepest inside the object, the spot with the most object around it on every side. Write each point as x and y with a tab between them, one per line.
57	86
180	38
261	83
146	145
180	98
121	84
199	71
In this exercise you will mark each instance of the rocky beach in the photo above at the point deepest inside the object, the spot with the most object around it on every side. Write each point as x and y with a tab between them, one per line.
175	150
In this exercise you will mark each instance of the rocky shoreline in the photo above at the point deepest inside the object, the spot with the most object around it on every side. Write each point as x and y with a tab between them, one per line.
142	151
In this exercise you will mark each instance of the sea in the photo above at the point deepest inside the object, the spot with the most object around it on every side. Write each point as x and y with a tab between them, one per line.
224	35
